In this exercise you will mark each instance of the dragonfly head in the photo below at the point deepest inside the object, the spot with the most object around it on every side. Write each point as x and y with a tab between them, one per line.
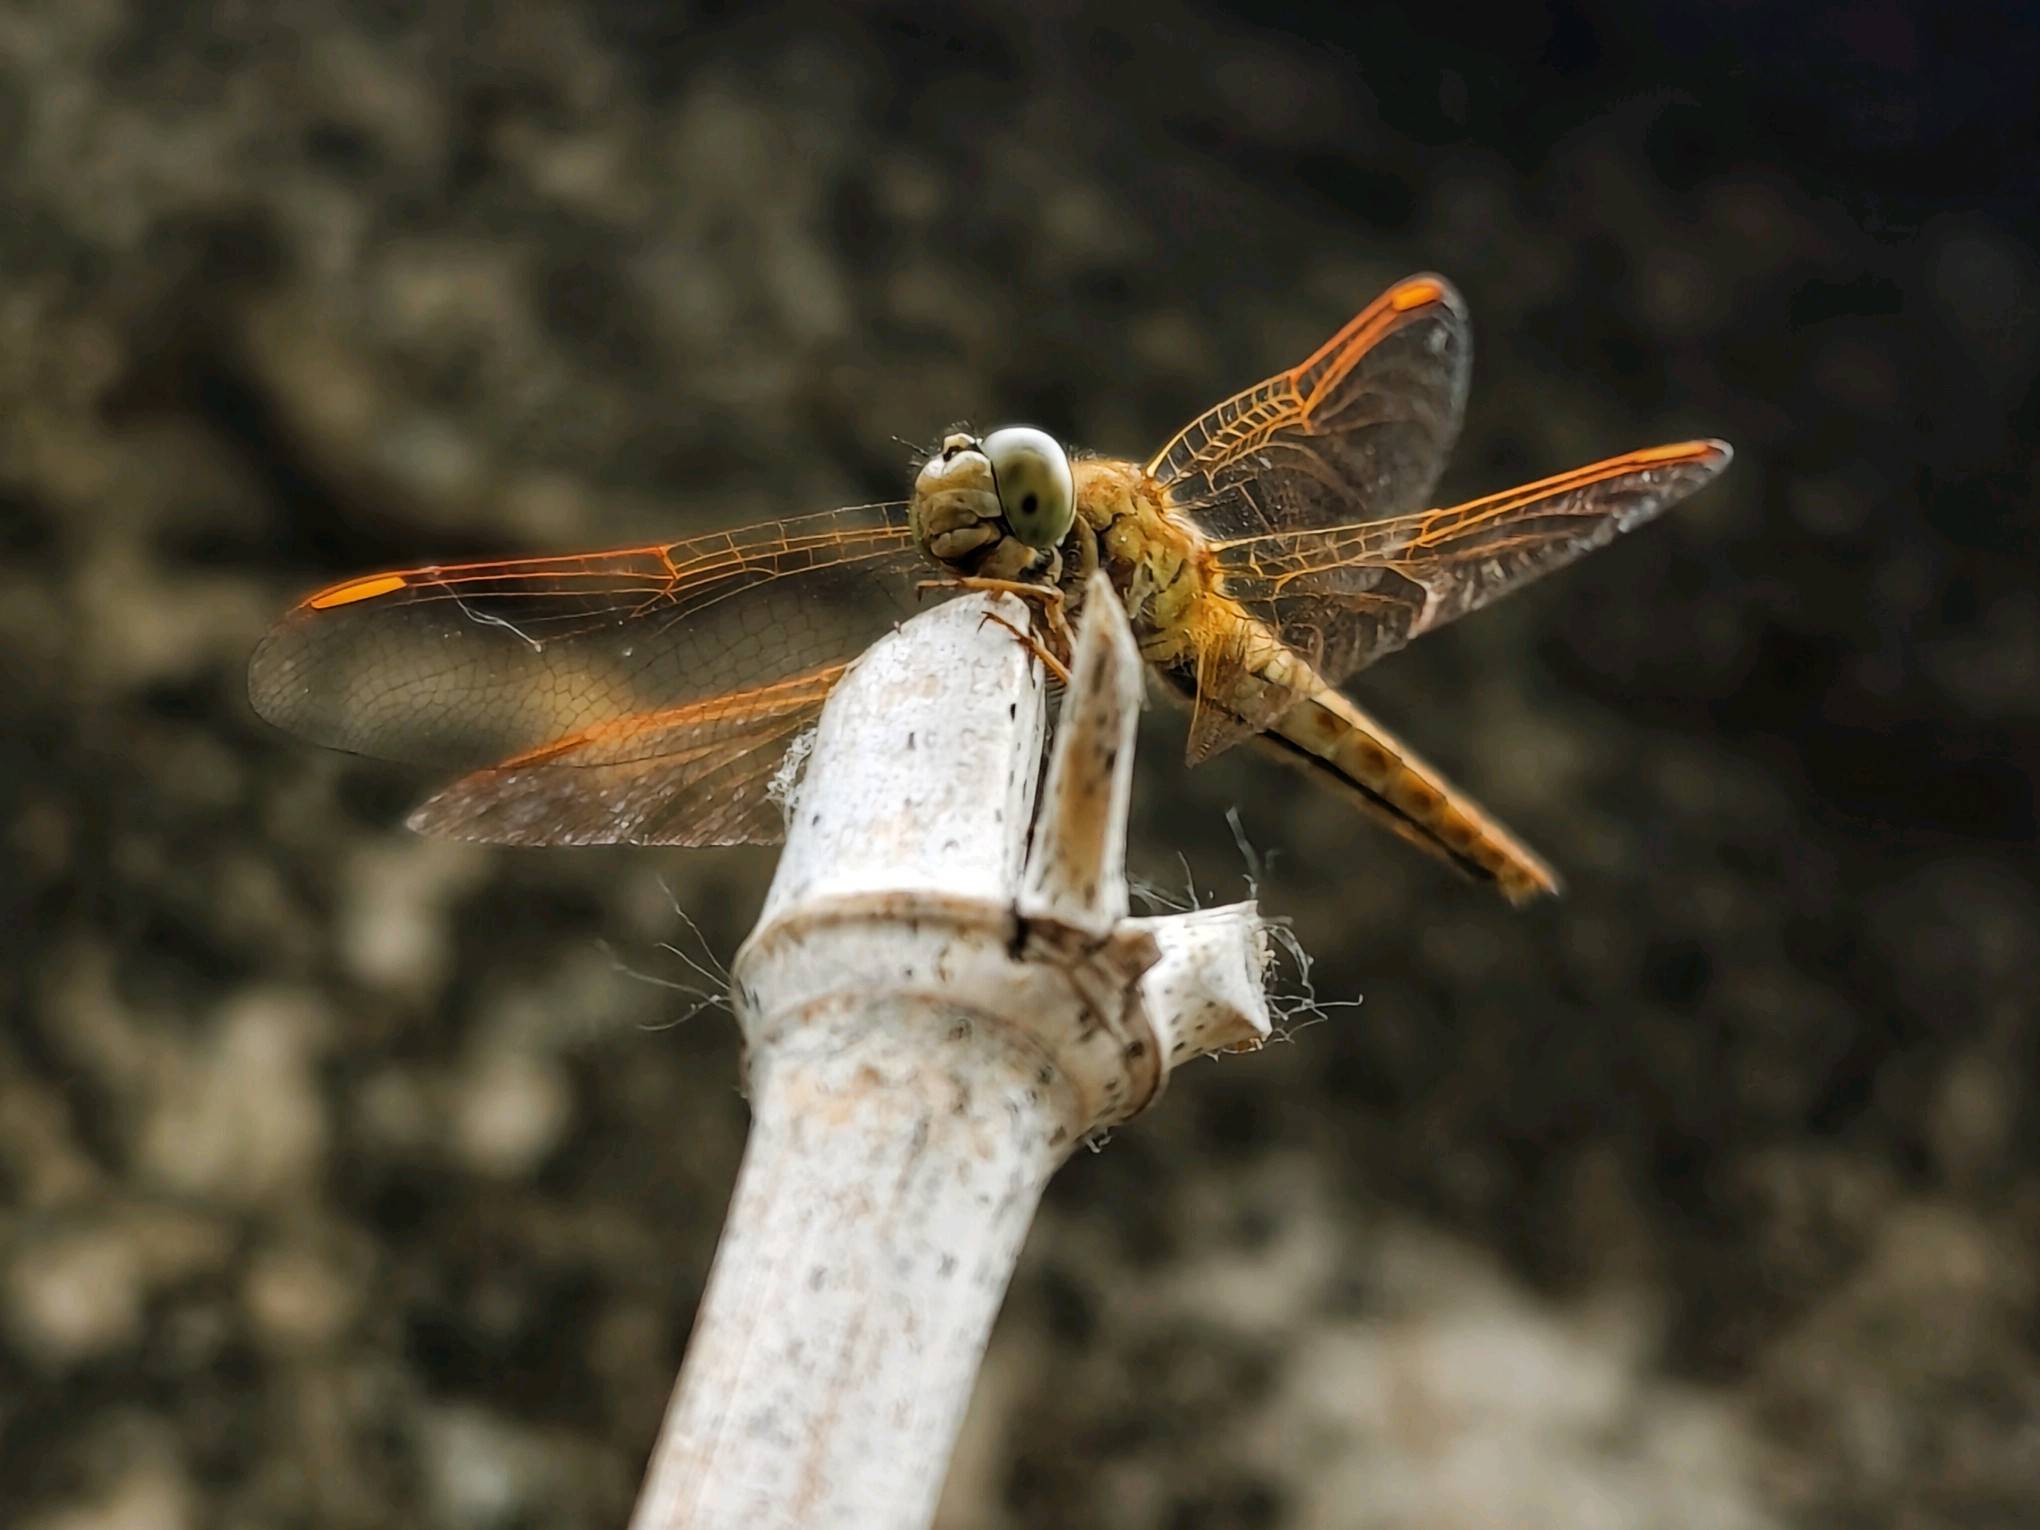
997	507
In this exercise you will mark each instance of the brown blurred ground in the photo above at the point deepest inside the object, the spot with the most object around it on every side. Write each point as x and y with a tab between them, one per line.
348	1181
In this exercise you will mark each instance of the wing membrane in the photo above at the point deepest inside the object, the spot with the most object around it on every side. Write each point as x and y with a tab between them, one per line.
571	677
700	774
1346	595
1360	429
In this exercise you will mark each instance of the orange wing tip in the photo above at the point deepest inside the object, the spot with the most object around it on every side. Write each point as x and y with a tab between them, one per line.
1716	453
1427	289
347	594
1415	292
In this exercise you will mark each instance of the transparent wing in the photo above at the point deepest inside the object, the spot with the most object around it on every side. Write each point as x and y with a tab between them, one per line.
1345	595
1360	430
700	774
609	694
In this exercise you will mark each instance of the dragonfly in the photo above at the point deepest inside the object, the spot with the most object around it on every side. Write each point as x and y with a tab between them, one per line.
1278	544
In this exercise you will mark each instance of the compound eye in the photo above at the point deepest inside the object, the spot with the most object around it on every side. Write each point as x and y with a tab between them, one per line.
1037	491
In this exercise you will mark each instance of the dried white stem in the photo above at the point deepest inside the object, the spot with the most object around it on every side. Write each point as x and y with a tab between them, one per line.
1205	993
1077	873
934	1019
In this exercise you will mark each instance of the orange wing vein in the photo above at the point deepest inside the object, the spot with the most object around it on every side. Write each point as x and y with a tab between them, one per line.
1361	428
1347	595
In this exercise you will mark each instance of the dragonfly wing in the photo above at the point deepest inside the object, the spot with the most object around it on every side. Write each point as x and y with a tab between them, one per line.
701	774
1344	596
566	675
1361	428
1220	716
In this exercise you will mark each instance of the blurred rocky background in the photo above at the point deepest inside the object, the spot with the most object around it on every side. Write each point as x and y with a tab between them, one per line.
355	1180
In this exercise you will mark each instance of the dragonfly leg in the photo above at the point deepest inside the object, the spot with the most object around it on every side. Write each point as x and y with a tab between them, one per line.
1035	646
1054	609
1053	616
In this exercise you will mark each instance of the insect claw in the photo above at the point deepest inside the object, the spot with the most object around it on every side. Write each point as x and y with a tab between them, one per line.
1032	644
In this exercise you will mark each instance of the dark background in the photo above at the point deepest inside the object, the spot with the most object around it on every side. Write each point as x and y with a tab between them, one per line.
347	1179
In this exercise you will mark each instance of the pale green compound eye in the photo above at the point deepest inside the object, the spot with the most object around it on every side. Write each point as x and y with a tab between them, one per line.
1037	491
